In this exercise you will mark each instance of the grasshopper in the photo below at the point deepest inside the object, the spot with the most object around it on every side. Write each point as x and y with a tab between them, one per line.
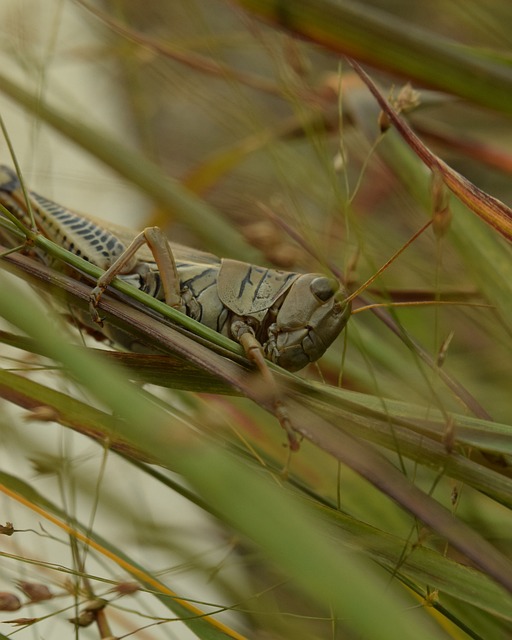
286	317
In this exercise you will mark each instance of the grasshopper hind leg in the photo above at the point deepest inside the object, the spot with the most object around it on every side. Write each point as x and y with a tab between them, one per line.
159	246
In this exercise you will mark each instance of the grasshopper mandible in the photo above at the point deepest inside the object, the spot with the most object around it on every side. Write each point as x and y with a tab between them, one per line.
289	318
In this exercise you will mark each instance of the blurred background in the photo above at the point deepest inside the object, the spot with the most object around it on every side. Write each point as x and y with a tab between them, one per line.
281	141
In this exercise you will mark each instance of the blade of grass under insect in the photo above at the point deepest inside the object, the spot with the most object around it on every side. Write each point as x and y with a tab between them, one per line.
377	38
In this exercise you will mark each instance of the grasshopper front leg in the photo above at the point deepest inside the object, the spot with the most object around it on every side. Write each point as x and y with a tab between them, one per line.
164	258
244	334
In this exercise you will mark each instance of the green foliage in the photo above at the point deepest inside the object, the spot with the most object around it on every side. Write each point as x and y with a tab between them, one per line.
392	520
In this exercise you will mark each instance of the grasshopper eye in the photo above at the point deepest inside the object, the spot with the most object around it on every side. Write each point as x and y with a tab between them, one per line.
324	288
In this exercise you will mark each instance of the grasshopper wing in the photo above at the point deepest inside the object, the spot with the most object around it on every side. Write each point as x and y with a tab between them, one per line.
247	289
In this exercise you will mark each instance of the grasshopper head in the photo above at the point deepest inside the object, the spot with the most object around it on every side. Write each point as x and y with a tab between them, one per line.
310	316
